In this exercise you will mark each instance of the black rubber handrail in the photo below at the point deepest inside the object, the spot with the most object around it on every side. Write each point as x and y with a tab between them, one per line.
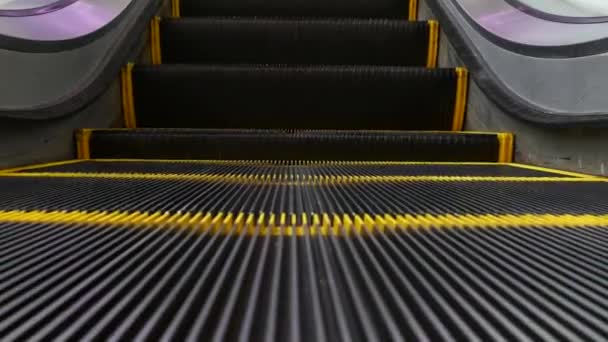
555	17
28	12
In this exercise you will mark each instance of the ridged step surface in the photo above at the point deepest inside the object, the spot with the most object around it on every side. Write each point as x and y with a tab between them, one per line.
304	97
295	167
295	145
300	251
297	8
295	41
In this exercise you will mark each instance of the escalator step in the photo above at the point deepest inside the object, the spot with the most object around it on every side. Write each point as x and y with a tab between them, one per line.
303	97
320	168
298	193
77	281
334	251
295	145
295	41
300	8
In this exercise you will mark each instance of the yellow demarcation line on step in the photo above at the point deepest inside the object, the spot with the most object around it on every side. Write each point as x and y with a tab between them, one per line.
83	148
433	48
290	179
413	10
175	9
287	224
40	166
155	51
505	147
128	104
556	171
460	105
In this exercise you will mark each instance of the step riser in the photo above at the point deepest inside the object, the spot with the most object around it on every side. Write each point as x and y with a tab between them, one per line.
298	97
306	41
275	145
300	8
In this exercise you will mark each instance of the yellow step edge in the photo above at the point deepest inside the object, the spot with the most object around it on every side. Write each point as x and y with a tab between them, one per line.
460	103
287	179
505	147
175	9
40	166
128	103
83	148
433	47
413	10
155	50
332	224
556	171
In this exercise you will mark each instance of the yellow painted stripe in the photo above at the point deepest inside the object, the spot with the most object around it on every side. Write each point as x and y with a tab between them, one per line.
413	10
460	105
128	104
40	166
433	47
83	148
175	9
556	171
155	41
272	178
505	148
311	223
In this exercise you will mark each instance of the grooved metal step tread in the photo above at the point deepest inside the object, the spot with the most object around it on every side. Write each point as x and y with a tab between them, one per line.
297	97
91	281
299	193
300	8
335	41
309	168
295	145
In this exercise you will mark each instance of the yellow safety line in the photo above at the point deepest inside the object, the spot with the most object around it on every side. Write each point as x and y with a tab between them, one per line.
40	166
413	10
431	61
460	105
128	104
83	148
505	147
175	9
556	171
274	178
155	40
323	224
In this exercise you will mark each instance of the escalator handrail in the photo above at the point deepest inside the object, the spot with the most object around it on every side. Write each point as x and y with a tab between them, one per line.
28	12
535	12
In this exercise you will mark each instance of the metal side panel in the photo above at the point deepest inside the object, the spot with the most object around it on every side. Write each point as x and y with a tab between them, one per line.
54	64
527	69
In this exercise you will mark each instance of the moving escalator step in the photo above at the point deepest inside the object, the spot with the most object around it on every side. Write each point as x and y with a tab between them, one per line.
123	256
309	168
294	145
302	97
402	9
298	41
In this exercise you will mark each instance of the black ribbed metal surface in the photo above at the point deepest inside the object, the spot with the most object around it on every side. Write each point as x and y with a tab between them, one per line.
80	282
295	167
297	8
300	97
292	194
301	41
293	145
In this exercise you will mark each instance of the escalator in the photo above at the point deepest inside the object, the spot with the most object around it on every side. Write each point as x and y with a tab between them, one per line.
299	170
